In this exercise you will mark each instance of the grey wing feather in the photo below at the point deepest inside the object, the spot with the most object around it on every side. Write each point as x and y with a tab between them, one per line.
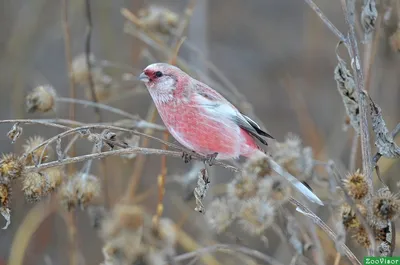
252	128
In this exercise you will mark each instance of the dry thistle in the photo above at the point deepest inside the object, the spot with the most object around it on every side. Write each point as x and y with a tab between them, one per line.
80	71
274	189
291	155
35	186
257	165
395	40
385	205
5	198
54	177
11	168
256	215
5	195
122	218
41	99
33	154
349	218
243	187
103	86
361	237
158	19
87	187
356	185
219	215
67	195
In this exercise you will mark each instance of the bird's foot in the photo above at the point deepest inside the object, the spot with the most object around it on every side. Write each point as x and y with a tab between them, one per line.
210	159
186	157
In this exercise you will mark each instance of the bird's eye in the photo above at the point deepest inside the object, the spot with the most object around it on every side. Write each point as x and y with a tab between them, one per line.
159	74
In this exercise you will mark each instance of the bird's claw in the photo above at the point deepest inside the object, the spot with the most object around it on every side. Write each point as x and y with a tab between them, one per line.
186	157
210	159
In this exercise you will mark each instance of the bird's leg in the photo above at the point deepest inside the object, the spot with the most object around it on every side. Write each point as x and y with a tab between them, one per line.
210	159
187	157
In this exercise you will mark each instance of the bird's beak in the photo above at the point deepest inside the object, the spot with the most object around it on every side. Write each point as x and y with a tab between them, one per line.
143	77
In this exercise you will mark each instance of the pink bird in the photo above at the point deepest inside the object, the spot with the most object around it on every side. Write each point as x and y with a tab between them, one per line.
202	120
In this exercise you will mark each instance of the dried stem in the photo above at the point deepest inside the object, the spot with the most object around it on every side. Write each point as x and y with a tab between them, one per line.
228	248
353	153
72	89
89	28
120	152
304	210
349	12
327	22
97	105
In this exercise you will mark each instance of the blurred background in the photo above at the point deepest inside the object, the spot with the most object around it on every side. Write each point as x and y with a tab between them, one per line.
278	54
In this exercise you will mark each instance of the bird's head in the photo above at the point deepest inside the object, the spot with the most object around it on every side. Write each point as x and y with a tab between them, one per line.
160	77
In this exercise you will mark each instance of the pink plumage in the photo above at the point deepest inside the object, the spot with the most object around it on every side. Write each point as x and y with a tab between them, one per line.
199	117
202	120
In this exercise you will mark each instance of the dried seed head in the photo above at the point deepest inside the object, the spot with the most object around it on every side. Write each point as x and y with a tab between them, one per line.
67	195
33	155
123	218
356	185
256	215
103	86
87	187
361	237
279	191
219	215
80	71
5	195
349	218
243	187
41	99
125	248
258	165
295	158
11	168
385	205
54	177
35	186
158	19
395	41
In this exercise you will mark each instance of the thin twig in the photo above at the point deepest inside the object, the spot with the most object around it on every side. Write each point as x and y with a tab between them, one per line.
97	105
349	12
353	153
326	21
121	152
304	210
89	28
230	248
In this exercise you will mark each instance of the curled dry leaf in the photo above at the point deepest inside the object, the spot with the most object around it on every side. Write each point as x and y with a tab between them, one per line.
5	212
369	15
15	132
383	138
346	87
203	183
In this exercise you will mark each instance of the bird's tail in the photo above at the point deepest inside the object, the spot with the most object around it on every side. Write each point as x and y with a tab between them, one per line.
292	180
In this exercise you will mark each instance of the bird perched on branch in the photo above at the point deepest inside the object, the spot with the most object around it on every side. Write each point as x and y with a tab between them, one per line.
202	120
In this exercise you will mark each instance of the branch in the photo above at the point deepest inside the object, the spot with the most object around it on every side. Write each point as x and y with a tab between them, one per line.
326	21
307	212
133	150
87	53
349	12
231	248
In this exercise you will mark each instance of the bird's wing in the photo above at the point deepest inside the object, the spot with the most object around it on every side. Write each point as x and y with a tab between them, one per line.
219	107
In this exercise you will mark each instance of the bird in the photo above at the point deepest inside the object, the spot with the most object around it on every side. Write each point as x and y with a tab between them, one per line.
202	120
